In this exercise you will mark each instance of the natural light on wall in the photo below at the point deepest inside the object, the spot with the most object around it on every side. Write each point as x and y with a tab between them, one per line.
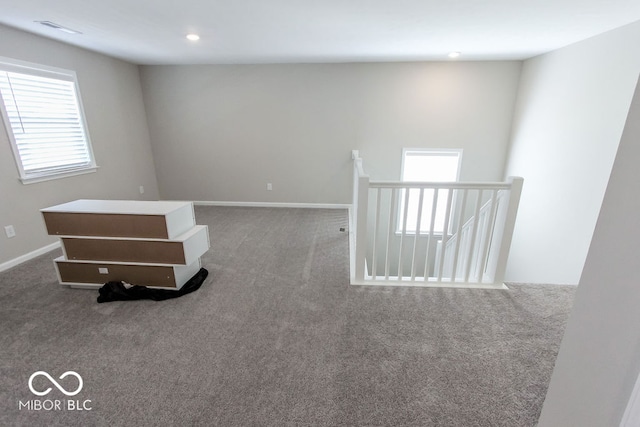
428	165
42	112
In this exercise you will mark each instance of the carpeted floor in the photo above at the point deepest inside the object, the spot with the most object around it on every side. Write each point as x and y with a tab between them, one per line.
277	337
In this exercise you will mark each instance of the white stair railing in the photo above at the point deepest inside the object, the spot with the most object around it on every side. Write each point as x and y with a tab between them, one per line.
473	237
431	234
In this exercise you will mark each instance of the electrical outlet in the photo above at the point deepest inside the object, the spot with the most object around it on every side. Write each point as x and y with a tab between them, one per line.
10	231
103	270
269	186
142	189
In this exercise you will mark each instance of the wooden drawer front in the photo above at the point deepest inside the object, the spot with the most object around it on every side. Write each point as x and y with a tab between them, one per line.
186	249
144	275
147	251
107	225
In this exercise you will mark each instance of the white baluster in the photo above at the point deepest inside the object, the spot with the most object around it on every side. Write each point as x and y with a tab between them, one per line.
434	204
445	234
390	231
376	222
416	235
456	252
407	195
473	251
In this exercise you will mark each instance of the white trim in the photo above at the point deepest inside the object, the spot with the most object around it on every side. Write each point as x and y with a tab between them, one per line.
352	246
393	281
58	175
631	417
28	257
575	285
41	70
274	205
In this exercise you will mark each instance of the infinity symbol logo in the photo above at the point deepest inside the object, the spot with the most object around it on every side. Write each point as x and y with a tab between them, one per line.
66	374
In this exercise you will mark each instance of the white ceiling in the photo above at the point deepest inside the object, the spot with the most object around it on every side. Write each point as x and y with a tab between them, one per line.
271	31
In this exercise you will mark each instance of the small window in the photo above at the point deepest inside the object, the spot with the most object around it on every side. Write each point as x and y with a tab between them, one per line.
43	116
427	165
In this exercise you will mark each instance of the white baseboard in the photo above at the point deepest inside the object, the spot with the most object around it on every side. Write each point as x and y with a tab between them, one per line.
394	281
27	257
274	205
575	285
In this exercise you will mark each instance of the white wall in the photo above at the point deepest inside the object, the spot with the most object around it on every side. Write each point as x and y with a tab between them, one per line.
572	104
112	99
599	358
222	132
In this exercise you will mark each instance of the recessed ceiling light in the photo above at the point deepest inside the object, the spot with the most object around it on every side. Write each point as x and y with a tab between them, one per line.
454	54
58	27
193	37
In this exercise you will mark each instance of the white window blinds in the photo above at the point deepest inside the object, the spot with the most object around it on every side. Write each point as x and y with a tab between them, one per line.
44	119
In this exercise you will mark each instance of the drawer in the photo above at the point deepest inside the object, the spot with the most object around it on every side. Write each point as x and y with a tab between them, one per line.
120	218
184	249
96	274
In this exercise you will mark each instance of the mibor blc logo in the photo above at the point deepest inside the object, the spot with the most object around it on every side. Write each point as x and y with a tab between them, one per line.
55	383
55	405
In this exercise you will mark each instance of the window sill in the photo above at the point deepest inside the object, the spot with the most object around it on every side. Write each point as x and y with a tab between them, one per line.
57	175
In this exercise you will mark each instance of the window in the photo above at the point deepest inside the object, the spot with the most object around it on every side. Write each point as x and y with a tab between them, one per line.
43	116
427	165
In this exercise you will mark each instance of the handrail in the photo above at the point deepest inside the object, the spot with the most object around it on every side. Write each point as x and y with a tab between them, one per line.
458	185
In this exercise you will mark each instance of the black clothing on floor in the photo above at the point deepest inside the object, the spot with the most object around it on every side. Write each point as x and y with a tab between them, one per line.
117	291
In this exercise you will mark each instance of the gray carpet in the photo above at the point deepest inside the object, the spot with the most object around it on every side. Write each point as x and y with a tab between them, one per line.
277	337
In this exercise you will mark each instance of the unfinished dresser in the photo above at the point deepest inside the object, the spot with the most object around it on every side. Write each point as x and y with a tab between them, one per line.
155	244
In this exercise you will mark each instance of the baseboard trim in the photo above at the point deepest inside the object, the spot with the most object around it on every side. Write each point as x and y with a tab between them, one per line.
575	285
29	256
274	205
420	284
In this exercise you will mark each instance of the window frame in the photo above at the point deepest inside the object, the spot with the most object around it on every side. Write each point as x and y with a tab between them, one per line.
400	208
27	68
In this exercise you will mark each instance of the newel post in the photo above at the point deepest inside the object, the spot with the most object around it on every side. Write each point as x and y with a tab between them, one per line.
360	207
509	225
